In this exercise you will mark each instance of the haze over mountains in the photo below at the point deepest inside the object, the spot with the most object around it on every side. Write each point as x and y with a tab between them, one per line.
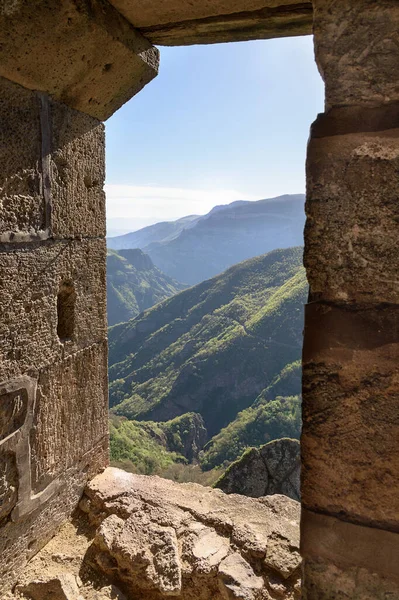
196	248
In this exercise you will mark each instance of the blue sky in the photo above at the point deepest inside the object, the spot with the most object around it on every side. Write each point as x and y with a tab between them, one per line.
219	123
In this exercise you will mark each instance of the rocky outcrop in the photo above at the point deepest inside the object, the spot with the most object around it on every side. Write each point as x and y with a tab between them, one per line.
271	469
186	435
140	537
157	538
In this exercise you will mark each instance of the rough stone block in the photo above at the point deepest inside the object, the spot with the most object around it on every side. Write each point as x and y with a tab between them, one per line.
350	412
357	50
163	539
77	173
326	581
52	168
84	53
71	413
32	278
348	545
21	195
353	217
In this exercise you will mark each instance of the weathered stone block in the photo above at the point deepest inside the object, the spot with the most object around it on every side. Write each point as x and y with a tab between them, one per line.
21	194
175	24
353	217
163	539
31	282
350	412
71	413
77	173
349	546
357	50
84	53
52	168
326	581
146	14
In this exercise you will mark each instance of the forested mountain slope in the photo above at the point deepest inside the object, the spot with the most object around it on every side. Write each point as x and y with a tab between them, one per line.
214	348
135	284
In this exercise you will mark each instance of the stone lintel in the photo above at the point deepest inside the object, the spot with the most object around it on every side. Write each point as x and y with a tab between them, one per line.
265	23
84	54
349	545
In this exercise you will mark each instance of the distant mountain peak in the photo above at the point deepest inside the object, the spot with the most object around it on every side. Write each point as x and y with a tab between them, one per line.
193	249
137	258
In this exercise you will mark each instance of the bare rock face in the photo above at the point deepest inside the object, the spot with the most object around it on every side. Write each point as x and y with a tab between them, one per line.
271	469
157	539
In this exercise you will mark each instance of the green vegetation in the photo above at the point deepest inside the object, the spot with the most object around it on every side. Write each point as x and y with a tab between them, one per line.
218	361
257	425
135	284
142	444
153	447
212	349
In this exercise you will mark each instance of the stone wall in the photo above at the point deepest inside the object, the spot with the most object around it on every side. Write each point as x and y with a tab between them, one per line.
350	459
53	357
64	65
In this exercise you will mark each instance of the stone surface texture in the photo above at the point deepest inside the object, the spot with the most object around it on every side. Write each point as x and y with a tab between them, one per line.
84	53
350	241
133	540
31	277
350	431
356	47
326	581
173	23
157	538
350	387
21	196
52	169
22	539
271	469
53	330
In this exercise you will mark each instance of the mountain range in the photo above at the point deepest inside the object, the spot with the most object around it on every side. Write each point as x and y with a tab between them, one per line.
226	349
196	248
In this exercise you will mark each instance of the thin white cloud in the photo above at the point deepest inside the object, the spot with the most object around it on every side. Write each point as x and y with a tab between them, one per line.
144	203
